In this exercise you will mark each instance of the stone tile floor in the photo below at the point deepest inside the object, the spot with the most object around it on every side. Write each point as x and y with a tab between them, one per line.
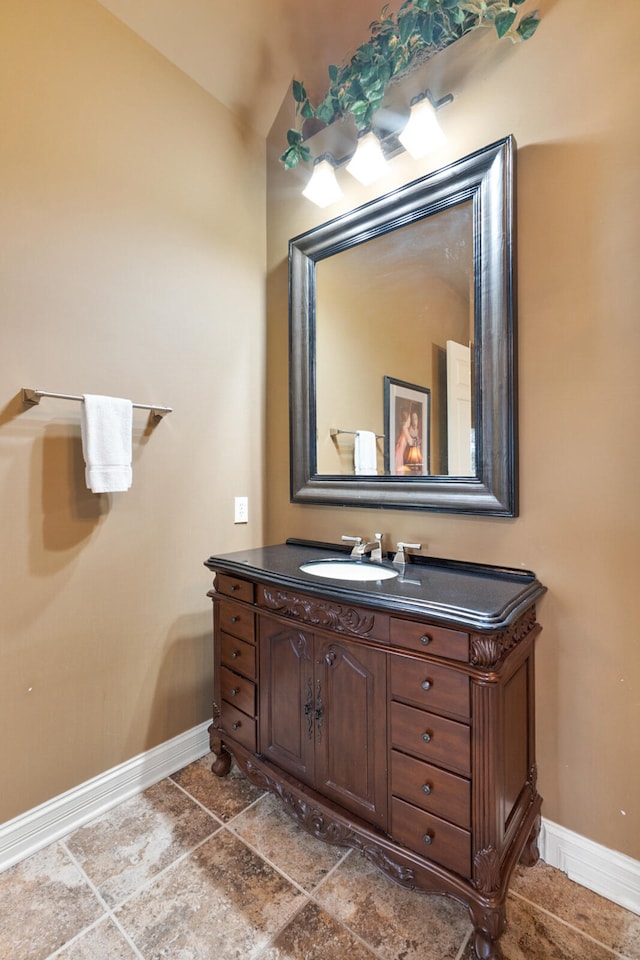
197	868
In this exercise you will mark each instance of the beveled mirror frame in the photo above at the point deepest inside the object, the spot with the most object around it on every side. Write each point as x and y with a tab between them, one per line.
487	177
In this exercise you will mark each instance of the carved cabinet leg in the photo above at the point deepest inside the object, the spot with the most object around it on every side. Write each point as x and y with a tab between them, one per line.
489	927
531	854
222	764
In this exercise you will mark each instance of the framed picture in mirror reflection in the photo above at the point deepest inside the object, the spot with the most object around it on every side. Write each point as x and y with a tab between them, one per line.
407	428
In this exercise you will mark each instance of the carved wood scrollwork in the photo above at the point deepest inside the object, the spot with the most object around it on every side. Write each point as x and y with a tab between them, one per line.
486	870
216	716
324	828
332	616
488	651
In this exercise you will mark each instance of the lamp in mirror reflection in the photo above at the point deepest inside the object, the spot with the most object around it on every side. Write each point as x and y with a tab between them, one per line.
323	188
423	133
368	163
414	459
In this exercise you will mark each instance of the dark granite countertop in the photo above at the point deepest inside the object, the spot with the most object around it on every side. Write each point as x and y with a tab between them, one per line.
469	595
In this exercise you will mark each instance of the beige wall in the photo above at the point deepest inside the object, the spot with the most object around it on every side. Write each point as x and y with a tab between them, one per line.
132	257
569	97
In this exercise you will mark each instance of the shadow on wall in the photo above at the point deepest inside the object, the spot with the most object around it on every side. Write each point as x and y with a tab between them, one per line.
70	512
182	689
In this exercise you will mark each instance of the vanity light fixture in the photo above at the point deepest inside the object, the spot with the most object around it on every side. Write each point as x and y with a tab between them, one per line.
368	163
423	132
323	188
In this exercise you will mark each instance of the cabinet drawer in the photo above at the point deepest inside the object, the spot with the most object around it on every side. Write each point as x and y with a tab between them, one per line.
232	587
235	619
432	789
431	837
238	691
238	655
439	641
238	725
427	736
430	686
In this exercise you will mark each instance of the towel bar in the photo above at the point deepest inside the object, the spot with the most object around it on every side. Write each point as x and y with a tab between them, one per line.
33	396
334	431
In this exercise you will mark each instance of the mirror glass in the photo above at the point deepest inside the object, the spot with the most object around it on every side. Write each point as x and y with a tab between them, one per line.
395	308
402	356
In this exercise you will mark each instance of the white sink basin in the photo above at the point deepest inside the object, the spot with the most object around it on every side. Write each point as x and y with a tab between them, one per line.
348	570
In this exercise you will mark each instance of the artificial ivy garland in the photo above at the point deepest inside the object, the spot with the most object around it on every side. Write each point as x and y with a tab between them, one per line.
420	29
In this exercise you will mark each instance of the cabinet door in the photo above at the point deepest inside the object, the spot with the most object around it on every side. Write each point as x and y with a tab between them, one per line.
351	724
287	703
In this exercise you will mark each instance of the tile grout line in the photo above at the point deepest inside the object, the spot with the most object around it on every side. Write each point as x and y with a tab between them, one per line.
109	914
156	876
308	894
570	926
312	894
465	942
184	790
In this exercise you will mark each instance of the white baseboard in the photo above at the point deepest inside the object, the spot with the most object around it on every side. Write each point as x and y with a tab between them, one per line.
607	872
37	828
613	875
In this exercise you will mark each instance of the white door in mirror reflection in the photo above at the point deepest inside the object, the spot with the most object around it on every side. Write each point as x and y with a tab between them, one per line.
459	447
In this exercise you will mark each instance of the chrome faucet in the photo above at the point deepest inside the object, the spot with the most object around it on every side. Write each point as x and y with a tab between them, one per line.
360	549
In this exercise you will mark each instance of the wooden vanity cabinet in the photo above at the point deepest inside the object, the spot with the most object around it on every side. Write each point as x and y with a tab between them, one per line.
409	740
319	717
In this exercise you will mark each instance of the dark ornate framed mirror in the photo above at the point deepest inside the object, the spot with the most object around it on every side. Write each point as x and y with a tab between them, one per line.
410	296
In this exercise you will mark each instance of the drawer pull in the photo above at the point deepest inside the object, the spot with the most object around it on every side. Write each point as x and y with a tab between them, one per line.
235	654
426	737
233	587
426	684
236	724
235	692
426	788
233	619
428	839
425	640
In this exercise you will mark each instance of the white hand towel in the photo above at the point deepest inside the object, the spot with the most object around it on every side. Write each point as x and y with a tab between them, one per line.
106	442
365	454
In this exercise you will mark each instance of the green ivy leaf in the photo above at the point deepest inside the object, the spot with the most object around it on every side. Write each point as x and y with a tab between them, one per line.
364	53
503	21
333	73
325	111
359	108
527	26
307	110
294	137
406	26
290	158
426	28
299	92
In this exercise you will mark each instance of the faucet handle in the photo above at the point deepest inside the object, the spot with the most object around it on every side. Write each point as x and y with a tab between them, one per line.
377	553
400	558
356	541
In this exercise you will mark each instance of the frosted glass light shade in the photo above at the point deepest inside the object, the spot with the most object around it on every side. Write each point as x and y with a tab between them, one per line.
422	132
323	187
368	163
